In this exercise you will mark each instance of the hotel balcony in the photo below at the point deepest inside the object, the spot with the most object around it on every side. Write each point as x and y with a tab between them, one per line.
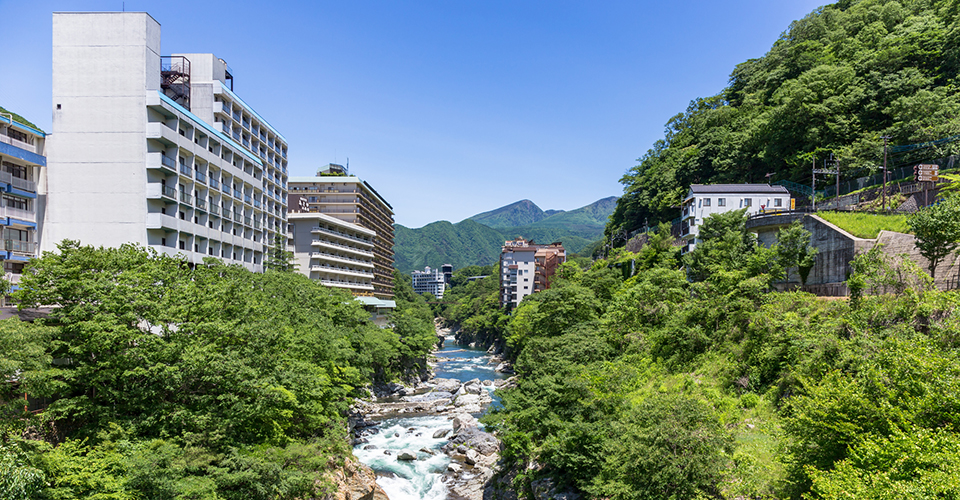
25	215
340	259
345	248
341	271
19	144
347	284
342	235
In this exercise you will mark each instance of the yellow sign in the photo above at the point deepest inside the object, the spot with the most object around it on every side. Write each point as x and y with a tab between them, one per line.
793	204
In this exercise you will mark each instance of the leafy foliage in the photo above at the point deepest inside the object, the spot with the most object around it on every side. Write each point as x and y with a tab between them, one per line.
172	382
937	229
834	82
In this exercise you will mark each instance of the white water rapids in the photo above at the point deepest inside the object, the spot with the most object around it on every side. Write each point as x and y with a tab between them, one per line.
421	479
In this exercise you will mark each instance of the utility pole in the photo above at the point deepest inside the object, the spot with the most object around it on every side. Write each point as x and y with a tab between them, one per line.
885	139
813	184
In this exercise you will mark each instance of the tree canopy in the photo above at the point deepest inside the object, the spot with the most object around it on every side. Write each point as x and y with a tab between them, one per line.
834	82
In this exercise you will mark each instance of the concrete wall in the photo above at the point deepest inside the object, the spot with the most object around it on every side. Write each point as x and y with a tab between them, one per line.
835	247
103	64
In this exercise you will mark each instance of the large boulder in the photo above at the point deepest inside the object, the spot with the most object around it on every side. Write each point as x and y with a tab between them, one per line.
472	457
355	481
463	421
472	438
450	385
473	387
471	403
406	455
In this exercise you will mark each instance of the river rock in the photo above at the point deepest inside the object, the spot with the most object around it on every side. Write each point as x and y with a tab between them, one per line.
472	457
463	421
545	489
430	396
355	480
449	385
471	485
487	383
370	447
473	387
468	403
474	438
406	455
454	467
428	451
442	433
504	368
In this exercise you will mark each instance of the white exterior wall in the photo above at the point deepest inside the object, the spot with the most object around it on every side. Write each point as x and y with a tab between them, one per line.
333	252
517	282
430	281
119	147
696	208
96	181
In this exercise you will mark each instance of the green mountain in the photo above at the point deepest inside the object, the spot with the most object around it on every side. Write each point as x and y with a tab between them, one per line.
521	213
462	244
835	82
474	242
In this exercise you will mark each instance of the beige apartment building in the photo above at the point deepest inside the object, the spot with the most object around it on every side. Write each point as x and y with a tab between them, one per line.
345	210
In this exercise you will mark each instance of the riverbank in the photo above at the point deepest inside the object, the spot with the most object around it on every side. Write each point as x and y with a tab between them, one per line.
423	439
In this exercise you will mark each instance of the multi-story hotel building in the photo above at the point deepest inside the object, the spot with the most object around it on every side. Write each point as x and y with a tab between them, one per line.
526	268
430	281
331	251
156	150
350	200
22	159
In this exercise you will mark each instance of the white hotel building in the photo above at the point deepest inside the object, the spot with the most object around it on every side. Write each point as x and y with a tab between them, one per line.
156	150
431	281
704	200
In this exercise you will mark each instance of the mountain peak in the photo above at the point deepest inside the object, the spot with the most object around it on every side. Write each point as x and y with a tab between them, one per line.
520	213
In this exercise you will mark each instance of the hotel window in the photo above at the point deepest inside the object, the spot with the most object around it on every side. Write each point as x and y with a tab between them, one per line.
746	202
721	202
13	202
16	234
706	202
777	202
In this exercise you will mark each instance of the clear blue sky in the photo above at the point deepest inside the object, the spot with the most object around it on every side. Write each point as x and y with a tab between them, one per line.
448	108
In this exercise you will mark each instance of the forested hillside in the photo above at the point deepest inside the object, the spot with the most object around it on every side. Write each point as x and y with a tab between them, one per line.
477	240
642	380
168	382
835	82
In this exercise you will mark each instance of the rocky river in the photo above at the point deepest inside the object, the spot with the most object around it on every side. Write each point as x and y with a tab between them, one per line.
423	441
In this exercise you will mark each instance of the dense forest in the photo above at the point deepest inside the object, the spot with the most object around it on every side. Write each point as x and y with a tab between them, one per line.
834	83
639	379
169	382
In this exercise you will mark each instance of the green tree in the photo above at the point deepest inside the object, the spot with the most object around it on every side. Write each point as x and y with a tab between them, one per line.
794	250
670	447
937	229
278	258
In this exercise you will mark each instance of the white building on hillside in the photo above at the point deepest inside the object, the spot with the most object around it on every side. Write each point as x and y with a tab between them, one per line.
702	200
156	150
430	281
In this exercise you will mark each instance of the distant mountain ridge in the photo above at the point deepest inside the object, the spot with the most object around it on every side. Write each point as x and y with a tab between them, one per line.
477	240
521	213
